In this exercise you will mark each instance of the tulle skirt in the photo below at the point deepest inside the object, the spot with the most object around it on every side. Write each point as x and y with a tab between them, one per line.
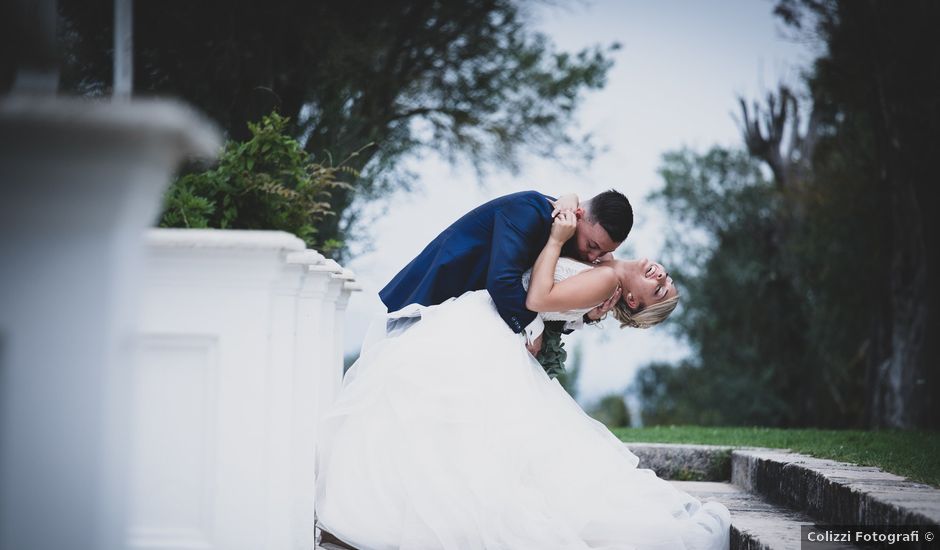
451	436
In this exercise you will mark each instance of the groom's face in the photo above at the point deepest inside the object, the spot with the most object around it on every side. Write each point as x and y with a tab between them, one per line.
590	241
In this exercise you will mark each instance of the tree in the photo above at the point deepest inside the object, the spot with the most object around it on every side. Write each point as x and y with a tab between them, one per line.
808	301
742	314
466	79
611	410
876	81
680	394
822	235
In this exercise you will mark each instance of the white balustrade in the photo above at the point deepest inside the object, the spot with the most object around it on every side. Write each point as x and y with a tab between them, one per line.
80	181
239	351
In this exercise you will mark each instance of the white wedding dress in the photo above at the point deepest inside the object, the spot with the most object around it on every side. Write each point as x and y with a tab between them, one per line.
451	436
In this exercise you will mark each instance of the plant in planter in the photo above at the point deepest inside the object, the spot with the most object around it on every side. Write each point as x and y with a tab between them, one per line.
267	182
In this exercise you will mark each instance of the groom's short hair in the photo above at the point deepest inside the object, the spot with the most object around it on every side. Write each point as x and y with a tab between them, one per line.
612	210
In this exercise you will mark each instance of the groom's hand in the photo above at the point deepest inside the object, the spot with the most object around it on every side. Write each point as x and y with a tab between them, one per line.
535	346
600	311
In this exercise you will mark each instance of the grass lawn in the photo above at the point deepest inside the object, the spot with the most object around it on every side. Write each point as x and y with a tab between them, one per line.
913	454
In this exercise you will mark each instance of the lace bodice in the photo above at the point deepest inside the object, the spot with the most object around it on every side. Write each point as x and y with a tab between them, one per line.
566	267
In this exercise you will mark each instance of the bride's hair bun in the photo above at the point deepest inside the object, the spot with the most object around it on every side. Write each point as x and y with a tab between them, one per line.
646	317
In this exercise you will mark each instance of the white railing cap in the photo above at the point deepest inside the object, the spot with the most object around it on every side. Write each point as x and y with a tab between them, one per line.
305	257
328	266
344	274
246	239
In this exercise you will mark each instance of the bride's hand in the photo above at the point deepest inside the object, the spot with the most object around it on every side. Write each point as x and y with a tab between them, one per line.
565	202
563	226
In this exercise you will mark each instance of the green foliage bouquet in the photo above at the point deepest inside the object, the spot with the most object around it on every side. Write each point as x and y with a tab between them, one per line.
267	182
552	355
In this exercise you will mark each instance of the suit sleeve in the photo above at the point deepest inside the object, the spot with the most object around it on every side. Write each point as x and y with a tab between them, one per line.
517	231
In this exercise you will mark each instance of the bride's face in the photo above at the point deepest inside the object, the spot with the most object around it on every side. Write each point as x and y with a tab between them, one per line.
645	283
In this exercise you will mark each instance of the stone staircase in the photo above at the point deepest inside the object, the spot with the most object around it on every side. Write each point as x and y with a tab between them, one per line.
772	494
756	523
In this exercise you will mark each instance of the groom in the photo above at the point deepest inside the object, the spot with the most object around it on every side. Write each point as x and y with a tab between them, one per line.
494	244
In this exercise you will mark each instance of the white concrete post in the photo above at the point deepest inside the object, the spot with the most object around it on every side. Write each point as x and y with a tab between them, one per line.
213	398
348	287
283	376
79	182
309	323
329	379
237	351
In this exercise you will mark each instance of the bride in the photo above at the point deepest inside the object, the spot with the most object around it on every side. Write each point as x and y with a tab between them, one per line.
450	435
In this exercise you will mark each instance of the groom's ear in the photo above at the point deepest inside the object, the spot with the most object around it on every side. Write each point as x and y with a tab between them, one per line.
579	213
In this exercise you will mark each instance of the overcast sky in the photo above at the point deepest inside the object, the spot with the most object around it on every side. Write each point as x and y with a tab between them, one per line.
674	83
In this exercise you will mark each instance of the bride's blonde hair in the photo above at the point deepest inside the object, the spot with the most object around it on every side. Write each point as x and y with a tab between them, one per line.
646	317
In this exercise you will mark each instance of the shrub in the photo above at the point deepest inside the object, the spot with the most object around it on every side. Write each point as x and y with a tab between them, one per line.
267	182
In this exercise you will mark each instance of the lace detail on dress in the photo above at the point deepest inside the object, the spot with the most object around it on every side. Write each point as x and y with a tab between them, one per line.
566	267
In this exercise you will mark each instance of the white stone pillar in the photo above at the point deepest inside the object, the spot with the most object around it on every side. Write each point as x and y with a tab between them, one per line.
329	379
283	379
238	349
213	421
309	325
348	287
79	182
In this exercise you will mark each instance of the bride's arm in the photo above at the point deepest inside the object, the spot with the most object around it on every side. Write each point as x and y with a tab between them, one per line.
583	290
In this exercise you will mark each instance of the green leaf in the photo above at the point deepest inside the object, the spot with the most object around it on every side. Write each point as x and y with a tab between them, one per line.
552	355
286	190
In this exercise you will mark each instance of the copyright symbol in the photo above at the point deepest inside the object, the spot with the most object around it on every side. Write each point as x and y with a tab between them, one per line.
928	536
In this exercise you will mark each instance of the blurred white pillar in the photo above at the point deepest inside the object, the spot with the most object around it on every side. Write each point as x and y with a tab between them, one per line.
79	182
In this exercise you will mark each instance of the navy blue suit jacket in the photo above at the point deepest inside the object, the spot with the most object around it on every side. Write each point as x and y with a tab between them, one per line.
489	247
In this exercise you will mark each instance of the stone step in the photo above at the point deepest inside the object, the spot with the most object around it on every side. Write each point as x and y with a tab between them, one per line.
832	492
755	523
685	462
835	492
